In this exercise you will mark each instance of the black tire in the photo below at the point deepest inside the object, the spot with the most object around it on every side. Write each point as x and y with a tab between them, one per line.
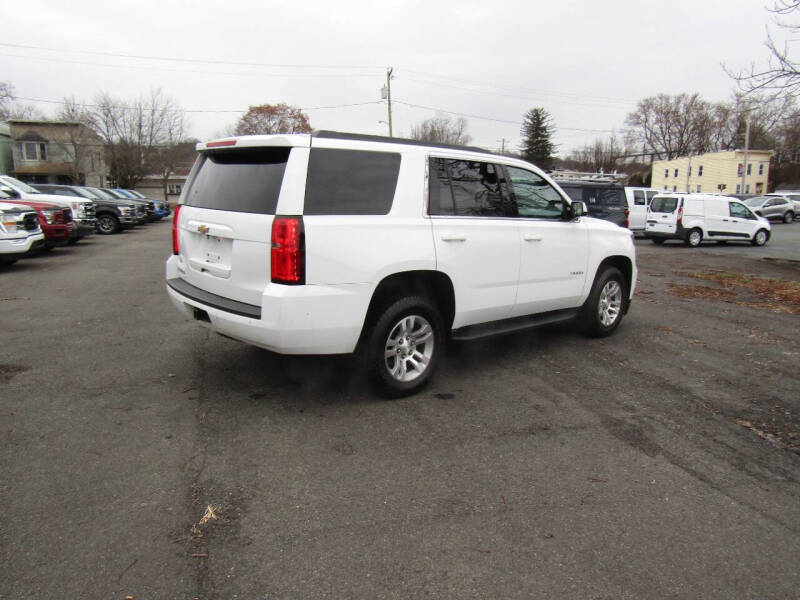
390	373
73	241
722	242
107	224
788	217
590	318
694	237
658	241
760	237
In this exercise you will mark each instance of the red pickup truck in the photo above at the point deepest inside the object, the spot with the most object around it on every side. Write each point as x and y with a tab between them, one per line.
56	222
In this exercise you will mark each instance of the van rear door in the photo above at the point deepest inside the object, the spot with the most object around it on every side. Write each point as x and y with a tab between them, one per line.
662	215
225	220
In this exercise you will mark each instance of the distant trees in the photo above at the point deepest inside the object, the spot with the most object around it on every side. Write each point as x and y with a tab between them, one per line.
10	108
602	155
441	130
136	133
272	118
537	132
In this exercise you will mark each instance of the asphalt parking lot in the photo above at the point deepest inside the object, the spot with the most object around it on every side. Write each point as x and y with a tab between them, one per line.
143	456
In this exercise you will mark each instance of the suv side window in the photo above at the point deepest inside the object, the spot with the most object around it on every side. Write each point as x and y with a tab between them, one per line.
534	196
739	210
466	188
350	182
638	197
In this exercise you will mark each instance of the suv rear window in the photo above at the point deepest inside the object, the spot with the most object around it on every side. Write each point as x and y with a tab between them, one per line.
350	182
663	205
239	181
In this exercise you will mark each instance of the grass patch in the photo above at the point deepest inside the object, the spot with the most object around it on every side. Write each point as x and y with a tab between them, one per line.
777	295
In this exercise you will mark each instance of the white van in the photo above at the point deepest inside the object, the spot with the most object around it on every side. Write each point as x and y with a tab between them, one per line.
697	217
638	200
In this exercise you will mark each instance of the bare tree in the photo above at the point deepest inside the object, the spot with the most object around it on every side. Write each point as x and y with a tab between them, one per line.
134	133
441	130
269	118
602	155
10	108
81	147
782	74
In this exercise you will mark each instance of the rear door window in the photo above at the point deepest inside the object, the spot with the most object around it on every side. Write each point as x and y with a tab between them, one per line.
239	181
638	197
663	204
350	182
467	188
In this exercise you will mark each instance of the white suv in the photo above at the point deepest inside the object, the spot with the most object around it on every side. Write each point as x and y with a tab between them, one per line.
331	243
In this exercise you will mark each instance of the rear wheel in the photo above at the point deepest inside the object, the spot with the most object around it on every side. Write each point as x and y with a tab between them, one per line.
760	238
404	346
694	237
107	224
788	217
603	310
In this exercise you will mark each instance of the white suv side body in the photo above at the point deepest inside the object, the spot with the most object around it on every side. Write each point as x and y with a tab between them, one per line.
476	270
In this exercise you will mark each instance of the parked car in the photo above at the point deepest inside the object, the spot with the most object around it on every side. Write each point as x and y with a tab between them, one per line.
638	199
83	212
794	197
143	197
112	215
334	243
139	206
605	200
55	221
20	232
772	207
159	212
693	218
149	206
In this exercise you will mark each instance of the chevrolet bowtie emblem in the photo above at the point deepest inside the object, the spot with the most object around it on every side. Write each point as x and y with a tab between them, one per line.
202	228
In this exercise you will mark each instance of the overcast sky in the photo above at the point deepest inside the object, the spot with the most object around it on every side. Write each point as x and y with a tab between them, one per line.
586	62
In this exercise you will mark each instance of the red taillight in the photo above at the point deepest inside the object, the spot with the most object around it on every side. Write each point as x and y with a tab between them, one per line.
627	220
288	251
680	217
221	143
175	245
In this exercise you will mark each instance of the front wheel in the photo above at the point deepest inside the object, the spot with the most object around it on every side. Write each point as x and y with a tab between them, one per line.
404	346
603	310
107	224
760	238
788	217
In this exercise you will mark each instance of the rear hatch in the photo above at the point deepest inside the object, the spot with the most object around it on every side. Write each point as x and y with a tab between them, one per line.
662	215
225	220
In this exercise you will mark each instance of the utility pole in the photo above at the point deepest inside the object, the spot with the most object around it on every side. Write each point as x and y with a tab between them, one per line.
746	148
502	145
389	96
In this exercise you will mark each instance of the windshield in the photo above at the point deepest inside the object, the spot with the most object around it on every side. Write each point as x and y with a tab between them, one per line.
755	201
86	193
21	185
663	204
101	194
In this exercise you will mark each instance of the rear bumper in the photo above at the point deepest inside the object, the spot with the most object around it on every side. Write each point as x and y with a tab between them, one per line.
305	319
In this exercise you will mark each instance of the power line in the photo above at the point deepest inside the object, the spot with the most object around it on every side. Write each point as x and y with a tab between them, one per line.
192	60
123	107
471	116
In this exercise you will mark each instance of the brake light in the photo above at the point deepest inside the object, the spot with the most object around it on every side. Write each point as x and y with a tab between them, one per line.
627	220
175	245
221	143
288	251
680	217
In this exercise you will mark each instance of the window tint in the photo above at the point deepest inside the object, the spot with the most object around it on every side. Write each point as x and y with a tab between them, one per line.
638	198
664	204
535	197
739	210
466	188
350	182
575	193
239	180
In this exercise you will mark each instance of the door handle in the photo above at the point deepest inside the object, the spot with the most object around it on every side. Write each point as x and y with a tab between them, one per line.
454	237
532	237
724	219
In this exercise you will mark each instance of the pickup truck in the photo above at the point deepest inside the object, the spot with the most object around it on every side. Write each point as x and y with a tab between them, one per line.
112	215
83	212
56	222
20	233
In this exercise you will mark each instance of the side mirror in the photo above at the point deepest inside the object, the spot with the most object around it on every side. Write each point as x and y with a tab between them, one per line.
578	209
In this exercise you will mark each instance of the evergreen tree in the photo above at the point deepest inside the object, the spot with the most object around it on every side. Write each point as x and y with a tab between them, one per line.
537	147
